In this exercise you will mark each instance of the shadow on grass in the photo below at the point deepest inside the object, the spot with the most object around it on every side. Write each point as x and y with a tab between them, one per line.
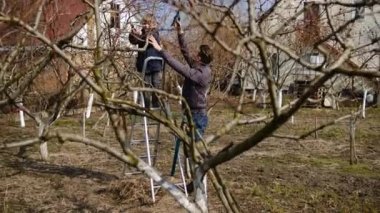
70	171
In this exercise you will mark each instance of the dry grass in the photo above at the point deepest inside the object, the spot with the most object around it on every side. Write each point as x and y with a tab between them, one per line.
130	190
277	175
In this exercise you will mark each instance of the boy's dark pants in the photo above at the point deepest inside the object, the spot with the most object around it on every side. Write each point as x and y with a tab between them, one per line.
152	79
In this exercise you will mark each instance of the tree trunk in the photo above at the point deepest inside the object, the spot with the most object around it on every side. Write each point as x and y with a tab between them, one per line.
44	151
353	157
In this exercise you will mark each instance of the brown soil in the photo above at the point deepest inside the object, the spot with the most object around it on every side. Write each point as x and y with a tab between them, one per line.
278	175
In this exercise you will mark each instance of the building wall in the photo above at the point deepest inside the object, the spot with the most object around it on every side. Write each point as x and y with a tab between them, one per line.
59	18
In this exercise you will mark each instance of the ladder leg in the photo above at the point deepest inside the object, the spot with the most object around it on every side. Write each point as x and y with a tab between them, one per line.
182	175
175	157
149	160
156	143
188	168
205	185
146	134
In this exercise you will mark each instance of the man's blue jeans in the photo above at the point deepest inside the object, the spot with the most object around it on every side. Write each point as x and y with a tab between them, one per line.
200	120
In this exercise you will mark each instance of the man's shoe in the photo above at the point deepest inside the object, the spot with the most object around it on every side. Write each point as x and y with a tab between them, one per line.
155	105
190	187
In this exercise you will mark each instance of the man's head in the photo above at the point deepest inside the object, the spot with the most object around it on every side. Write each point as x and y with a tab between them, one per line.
205	54
149	22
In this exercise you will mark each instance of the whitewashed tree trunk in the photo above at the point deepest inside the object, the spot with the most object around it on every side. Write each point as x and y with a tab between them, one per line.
200	193
43	145
364	102
254	95
44	151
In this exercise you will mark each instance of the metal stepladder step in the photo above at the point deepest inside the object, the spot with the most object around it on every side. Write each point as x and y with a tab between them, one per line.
151	143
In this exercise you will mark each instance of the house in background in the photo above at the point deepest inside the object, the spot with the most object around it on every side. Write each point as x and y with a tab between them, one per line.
302	34
59	21
63	22
116	17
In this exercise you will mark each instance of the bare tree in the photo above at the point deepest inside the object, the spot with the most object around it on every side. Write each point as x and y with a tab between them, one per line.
277	41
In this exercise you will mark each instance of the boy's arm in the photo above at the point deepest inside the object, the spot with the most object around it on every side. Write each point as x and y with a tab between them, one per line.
136	39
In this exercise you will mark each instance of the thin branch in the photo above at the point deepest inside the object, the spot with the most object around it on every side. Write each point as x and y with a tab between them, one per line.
268	70
303	136
362	3
38	16
19	144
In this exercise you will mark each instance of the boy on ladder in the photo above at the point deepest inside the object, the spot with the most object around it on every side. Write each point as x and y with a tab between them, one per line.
153	71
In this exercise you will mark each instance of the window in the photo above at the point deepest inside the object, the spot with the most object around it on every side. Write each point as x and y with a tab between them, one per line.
275	64
311	13
316	58
115	16
357	11
262	6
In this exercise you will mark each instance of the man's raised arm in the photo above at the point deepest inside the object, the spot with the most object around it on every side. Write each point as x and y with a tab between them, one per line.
183	46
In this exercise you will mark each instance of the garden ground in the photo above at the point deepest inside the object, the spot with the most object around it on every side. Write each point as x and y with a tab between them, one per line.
278	175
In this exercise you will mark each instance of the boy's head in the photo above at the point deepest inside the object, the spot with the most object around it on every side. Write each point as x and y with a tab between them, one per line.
149	22
205	54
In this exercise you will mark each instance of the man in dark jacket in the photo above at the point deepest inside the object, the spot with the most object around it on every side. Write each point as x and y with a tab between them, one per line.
197	78
152	74
196	85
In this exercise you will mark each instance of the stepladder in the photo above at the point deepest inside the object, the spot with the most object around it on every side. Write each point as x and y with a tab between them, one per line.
144	133
186	161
